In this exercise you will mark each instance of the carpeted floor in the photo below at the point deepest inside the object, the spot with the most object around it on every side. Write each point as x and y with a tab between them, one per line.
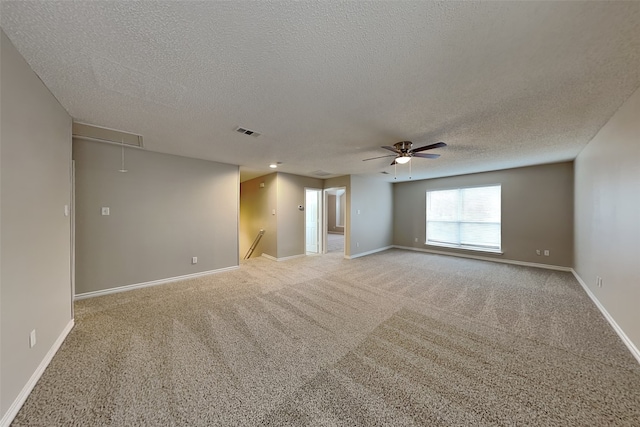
397	338
335	242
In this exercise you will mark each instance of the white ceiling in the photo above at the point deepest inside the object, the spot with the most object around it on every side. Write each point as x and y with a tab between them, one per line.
505	84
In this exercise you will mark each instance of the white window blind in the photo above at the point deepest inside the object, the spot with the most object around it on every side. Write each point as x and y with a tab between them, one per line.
465	217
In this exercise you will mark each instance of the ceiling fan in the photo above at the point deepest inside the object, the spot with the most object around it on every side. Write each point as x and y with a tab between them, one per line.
403	152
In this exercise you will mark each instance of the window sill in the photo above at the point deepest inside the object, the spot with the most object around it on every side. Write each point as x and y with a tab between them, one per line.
467	249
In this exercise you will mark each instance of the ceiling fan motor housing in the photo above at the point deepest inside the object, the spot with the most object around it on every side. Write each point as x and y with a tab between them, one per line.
403	146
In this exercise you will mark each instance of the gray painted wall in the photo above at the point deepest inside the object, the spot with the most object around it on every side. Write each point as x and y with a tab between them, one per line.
537	212
35	279
371	207
291	230
607	216
163	211
256	212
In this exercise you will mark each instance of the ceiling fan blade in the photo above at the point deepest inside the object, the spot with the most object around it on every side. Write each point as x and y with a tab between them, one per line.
429	147
393	163
390	148
379	157
426	155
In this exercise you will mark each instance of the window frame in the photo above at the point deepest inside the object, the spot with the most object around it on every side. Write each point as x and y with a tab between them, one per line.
461	246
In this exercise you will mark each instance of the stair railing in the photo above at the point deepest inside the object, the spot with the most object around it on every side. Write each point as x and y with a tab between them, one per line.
254	244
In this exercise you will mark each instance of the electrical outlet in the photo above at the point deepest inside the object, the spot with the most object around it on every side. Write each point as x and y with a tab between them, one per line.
105	210
546	252
194	260
357	244
32	339
416	240
538	252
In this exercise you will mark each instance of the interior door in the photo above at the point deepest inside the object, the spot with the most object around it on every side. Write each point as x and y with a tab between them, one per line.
312	220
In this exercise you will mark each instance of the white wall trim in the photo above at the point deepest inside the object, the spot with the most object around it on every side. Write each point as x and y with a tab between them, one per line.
361	254
625	339
151	283
484	258
272	258
28	387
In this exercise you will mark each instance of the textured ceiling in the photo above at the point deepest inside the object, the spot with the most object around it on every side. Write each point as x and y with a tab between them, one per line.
505	84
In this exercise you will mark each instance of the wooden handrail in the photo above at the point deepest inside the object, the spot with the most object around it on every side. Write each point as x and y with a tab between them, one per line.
254	244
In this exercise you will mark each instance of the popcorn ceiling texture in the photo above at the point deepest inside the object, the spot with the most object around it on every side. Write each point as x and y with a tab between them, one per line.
505	84
392	339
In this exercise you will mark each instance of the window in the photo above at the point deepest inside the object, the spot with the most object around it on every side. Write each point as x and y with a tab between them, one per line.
467	218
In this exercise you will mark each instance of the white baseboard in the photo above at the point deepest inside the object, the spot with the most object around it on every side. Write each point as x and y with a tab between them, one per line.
485	258
625	339
361	254
151	283
28	387
272	258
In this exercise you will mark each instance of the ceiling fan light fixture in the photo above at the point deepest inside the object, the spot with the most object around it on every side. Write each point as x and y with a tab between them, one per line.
273	165
403	159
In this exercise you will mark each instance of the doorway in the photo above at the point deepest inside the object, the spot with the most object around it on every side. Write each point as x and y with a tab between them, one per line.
312	216
335	219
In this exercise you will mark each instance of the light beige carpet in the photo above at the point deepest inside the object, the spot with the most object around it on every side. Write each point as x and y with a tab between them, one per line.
396	339
335	243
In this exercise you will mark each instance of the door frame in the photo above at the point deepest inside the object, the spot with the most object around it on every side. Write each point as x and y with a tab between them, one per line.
72	211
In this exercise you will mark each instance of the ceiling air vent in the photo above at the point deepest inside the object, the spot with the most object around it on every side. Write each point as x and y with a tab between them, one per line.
320	173
247	132
100	134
